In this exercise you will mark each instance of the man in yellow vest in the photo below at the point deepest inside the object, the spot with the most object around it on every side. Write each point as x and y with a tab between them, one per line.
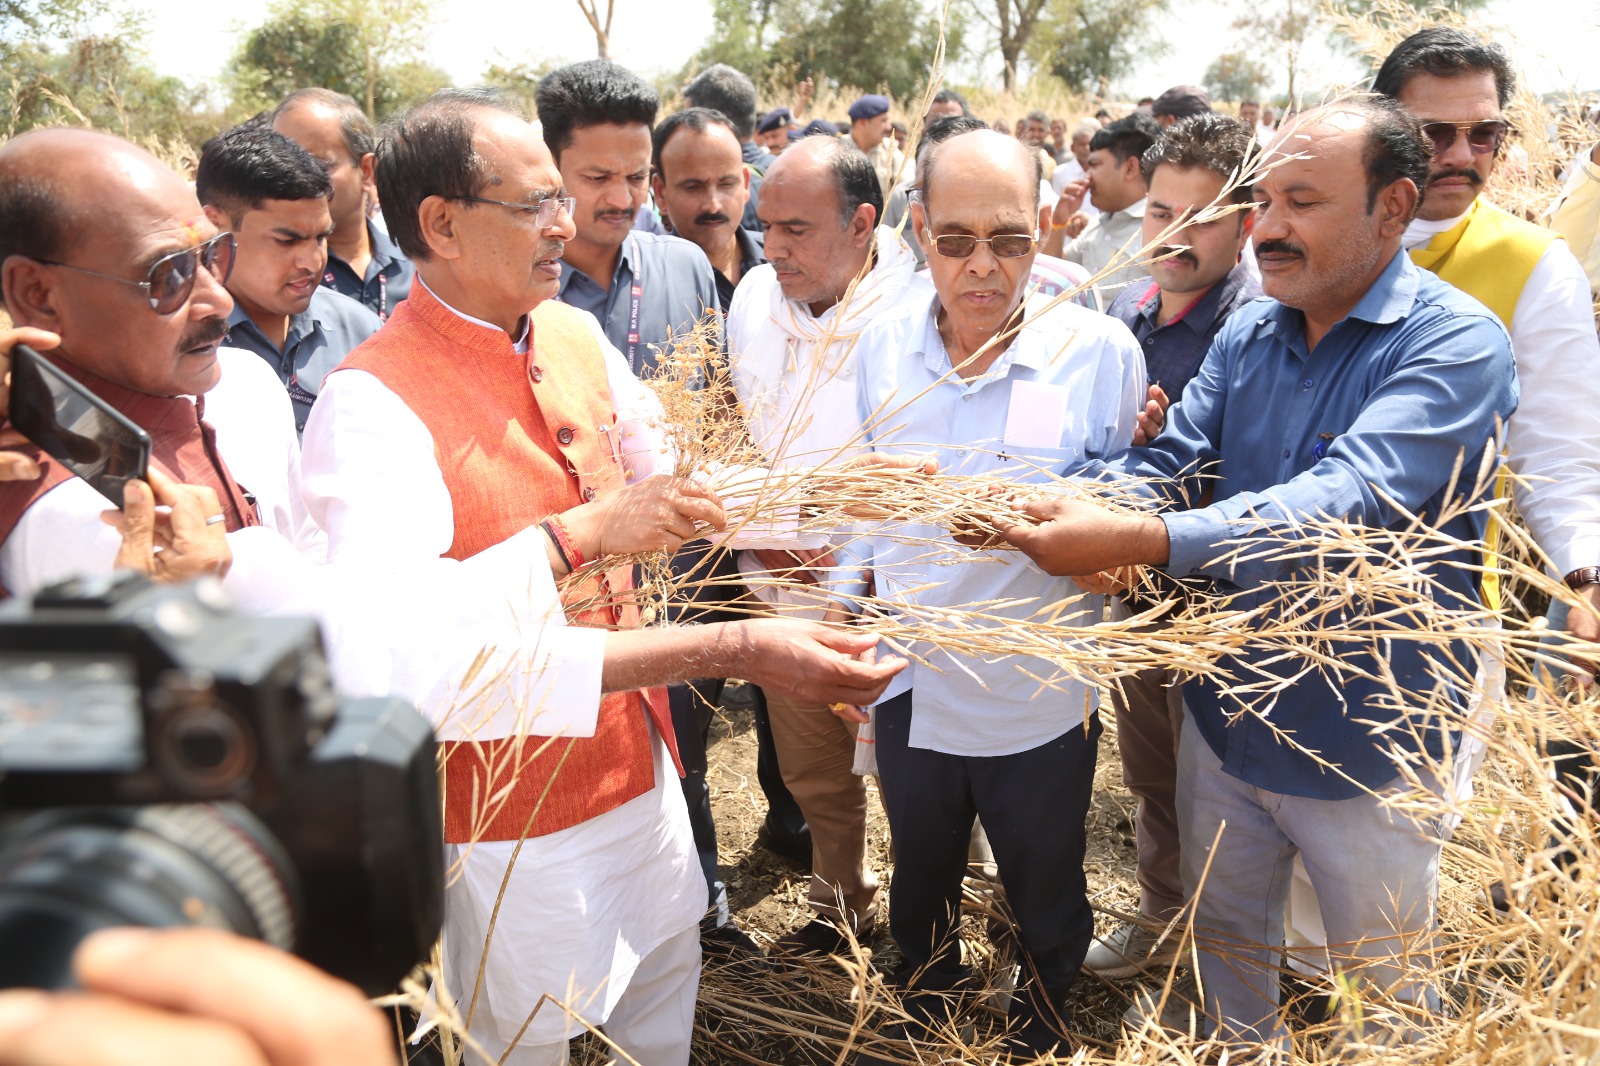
1458	86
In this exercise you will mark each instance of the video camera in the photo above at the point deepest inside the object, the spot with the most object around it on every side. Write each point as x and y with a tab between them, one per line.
167	761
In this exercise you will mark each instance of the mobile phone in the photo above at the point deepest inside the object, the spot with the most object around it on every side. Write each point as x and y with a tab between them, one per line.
74	426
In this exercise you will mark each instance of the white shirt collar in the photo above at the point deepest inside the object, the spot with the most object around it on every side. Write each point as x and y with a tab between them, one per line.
1420	231
519	344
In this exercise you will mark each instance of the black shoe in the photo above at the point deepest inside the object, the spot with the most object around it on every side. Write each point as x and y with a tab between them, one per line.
819	936
728	948
1308	1000
793	848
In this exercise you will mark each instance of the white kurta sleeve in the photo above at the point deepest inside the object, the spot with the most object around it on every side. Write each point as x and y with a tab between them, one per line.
642	440
1554	437
479	644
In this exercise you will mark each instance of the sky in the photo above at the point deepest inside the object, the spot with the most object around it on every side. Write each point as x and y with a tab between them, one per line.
1555	43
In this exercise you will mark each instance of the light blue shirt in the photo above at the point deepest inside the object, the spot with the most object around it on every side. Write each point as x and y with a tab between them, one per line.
1067	389
1368	426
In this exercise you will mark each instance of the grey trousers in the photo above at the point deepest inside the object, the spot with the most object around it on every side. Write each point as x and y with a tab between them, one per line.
1375	870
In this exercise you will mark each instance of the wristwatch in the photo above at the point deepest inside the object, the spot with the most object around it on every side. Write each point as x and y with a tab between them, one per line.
1584	575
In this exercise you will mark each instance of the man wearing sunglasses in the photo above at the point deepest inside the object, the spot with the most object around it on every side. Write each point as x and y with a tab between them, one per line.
273	196
996	386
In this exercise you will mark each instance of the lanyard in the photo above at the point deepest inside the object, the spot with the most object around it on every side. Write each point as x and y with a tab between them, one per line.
635	297
383	290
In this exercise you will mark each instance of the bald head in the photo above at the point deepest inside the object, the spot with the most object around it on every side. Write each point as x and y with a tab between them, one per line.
982	156
56	186
825	164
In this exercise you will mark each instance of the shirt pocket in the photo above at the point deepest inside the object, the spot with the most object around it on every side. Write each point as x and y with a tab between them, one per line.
1042	429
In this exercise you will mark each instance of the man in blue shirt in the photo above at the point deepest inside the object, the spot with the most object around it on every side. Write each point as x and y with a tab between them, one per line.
363	263
1352	394
1175	314
643	287
274	197
1008	389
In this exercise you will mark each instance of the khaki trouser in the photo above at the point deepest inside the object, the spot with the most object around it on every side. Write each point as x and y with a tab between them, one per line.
816	750
1149	709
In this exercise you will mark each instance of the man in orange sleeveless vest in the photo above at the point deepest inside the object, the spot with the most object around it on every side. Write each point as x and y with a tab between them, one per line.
487	423
1458	86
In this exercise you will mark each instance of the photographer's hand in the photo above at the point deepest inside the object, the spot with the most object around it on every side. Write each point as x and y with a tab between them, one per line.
192	997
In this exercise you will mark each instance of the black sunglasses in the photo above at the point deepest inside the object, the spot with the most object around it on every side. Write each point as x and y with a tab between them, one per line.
171	278
1482	137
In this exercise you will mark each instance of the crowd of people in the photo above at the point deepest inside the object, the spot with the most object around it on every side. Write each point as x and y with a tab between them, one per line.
401	372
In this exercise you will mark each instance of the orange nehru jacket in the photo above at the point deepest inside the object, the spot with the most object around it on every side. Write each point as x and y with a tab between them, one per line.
520	437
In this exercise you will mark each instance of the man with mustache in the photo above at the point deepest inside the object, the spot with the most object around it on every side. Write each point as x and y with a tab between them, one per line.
274	197
1174	315
702	185
643	287
1354	394
1458	87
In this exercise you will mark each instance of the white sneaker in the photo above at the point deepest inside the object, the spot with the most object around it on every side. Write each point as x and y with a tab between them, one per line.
1127	950
1181	1015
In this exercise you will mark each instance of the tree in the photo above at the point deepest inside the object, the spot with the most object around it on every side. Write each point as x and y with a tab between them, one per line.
1281	28
368	49
1013	23
867	44
1235	76
1091	43
600	23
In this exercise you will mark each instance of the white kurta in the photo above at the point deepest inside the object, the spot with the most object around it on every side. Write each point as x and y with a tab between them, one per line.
584	905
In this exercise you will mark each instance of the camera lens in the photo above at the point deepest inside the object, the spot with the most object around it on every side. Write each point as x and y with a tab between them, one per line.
67	872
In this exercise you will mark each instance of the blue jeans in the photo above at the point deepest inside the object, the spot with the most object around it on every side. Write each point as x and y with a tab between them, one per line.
1375	870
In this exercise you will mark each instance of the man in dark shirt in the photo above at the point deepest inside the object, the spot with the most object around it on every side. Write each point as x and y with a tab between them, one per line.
274	197
363	263
702	186
1174	314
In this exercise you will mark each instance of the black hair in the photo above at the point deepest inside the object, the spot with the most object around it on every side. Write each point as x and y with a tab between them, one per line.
722	88
947	129
1036	116
1396	146
1249	103
941	130
1146	100
1445	53
427	151
592	93
1127	137
950	96
697	119
1207	141
360	139
244	167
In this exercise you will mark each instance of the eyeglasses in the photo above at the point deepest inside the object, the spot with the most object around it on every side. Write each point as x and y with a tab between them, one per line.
545	212
1482	137
1003	245
171	278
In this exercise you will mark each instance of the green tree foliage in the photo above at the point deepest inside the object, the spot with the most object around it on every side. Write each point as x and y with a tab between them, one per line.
368	49
1235	76
1090	43
75	62
867	44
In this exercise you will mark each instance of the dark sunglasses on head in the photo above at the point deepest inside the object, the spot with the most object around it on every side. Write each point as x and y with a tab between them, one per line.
1482	137
171	278
1003	245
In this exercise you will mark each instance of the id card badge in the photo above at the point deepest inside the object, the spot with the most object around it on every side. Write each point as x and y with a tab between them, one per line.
1037	416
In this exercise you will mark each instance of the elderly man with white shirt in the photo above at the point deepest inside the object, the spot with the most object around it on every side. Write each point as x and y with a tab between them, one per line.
792	330
991	384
